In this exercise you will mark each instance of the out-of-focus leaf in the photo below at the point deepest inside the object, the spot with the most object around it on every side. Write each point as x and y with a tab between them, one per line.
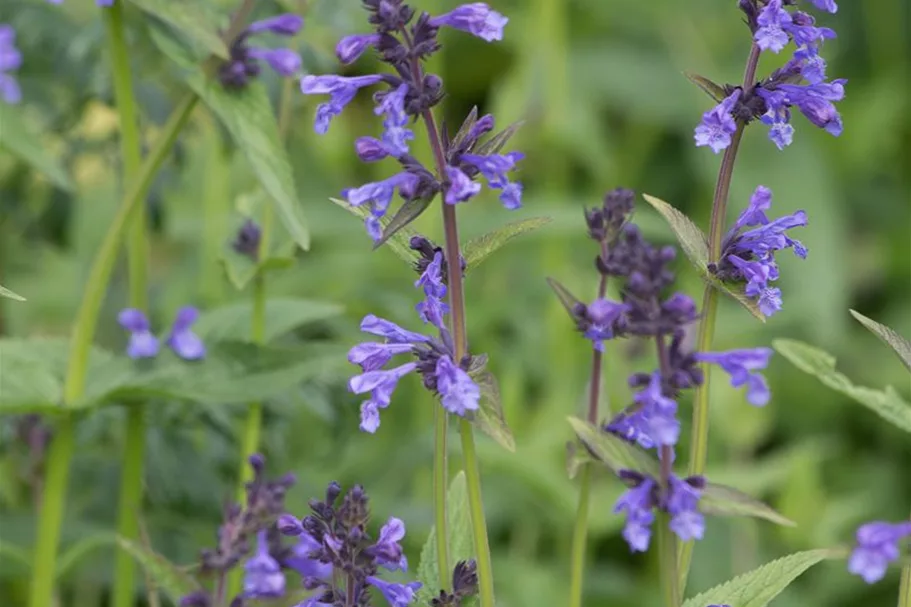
248	116
696	247
398	242
721	500
759	587
576	458
713	90
18	139
232	322
15	554
478	249
407	213
4	292
569	301
75	553
887	403
168	577
489	417
613	451
458	533
496	143
192	18
888	336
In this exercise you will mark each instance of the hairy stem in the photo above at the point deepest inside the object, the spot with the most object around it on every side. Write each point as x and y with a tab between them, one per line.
699	448
130	498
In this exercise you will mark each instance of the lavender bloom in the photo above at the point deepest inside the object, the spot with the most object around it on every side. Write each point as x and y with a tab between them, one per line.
825	5
387	551
381	385
603	317
433	308
458	392
182	340
395	135
302	562
263	578
718	125
378	196
658	415
461	187
742	365
680	499
814	102
877	546
287	24
682	504
142	343
476	18
101	3
341	90
638	502
10	59
397	595
773	20
243	64
494	169
351	47
283	61
370	149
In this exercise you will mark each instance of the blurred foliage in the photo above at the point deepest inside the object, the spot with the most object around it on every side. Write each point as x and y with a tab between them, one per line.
602	90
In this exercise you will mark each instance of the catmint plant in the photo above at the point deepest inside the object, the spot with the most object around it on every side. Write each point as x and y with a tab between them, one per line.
181	338
245	60
10	60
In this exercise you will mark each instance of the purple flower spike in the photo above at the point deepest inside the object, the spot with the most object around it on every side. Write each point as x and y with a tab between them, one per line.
350	48
877	546
742	365
287	24
182	340
283	61
475	18
10	59
142	343
718	125
263	577
682	504
341	90
638	502
397	595
458	392
461	187
773	20
395	135
387	552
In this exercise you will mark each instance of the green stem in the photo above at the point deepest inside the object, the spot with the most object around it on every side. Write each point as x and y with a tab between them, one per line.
440	480
904	589
667	555
580	540
476	509
130	498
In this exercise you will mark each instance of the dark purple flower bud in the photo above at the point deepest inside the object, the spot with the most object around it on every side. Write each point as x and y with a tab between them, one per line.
304	559
258	463
289	525
877	546
480	128
283	61
742	366
185	343
475	18
142	343
370	149
341	90
458	392
198	598
247	240
465	579
10	59
397	595
718	125
351	47
287	24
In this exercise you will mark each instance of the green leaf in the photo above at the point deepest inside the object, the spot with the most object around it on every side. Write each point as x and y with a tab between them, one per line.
168	577
496	142
569	301
15	554
888	336
458	532
19	140
614	452
721	500
194	19
713	90
757	588
489	418
75	553
4	292
232	322
576	458
248	116
886	403
398	242
406	214
477	249
694	243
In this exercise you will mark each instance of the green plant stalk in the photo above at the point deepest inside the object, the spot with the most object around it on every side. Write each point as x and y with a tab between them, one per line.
62	448
476	510
667	559
904	589
700	432
130	499
440	479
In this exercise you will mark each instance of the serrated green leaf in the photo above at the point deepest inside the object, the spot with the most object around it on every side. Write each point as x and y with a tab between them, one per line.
232	322
19	140
890	337
819	363
73	555
398	242
4	292
721	500
247	114
614	452
757	588
458	534
713	90
694	243
489	417
168	577
478	249
194	19
407	213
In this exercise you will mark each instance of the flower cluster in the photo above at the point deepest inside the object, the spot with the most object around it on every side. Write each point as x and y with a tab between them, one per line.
404	42
433	357
646	310
181	339
771	100
748	255
338	542
244	62
10	59
464	586
877	546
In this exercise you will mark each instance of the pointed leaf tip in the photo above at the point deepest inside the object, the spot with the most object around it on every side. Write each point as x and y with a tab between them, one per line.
889	336
478	249
713	90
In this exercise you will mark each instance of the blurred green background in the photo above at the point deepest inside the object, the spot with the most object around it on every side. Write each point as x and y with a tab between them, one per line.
600	85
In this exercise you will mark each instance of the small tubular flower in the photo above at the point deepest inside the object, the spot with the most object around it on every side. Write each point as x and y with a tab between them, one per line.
458	392
877	546
341	90
718	125
494	168
742	366
287	24
182	340
263	578
397	595
350	48
10	60
142	344
387	552
476	18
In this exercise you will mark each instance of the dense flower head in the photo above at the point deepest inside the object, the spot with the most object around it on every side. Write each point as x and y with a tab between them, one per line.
877	546
10	60
404	39
605	222
245	60
464	586
337	538
181	339
748	250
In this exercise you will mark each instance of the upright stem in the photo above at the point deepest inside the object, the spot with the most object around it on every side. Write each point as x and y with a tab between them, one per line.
130	498
699	448
62	448
904	590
